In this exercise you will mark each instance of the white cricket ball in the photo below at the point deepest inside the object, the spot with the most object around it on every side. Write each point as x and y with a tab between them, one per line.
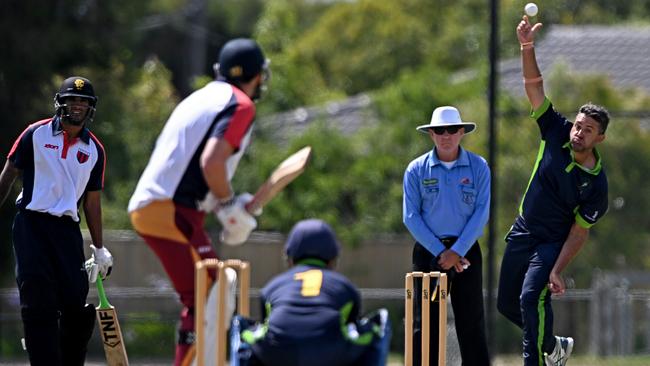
531	9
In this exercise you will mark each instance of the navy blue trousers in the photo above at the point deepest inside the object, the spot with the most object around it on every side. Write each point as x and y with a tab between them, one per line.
524	297
53	286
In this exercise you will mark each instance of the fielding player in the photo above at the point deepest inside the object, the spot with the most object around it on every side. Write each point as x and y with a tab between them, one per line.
311	312
189	174
61	163
566	195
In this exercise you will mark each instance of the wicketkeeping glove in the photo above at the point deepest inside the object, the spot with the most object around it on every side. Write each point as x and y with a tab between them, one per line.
100	263
237	223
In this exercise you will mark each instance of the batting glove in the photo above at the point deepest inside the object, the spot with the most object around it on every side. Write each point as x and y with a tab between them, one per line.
245	199
103	259
237	223
91	269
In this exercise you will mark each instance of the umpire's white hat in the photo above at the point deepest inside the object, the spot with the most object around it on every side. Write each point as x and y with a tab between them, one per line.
446	116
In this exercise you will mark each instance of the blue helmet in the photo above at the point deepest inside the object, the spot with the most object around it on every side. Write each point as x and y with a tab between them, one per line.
312	238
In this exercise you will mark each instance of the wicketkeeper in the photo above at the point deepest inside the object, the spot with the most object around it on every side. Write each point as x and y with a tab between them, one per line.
311	312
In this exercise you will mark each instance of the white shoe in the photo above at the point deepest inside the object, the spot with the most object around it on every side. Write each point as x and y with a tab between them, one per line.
561	352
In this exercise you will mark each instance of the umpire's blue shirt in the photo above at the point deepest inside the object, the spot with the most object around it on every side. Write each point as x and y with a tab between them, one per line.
440	202
560	191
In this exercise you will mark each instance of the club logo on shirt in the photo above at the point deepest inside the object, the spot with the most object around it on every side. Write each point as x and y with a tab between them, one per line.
582	187
468	198
592	217
465	181
82	156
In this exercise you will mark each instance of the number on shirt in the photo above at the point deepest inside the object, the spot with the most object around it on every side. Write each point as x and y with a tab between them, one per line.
312	281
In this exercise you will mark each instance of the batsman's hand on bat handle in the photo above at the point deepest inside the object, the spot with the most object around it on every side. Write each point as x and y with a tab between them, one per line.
246	198
236	222
526	31
100	263
556	283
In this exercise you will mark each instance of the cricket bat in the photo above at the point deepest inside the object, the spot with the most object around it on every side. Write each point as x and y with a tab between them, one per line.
284	174
109	327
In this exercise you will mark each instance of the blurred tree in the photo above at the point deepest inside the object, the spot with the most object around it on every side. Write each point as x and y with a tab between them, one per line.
295	80
325	190
186	35
137	105
355	181
361	37
44	42
407	53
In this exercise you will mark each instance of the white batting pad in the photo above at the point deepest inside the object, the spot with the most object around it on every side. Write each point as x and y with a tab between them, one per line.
211	312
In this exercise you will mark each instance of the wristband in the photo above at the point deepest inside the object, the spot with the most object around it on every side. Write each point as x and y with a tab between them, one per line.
533	80
526	45
227	202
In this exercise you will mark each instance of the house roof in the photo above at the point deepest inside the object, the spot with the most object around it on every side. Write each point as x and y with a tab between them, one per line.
347	115
620	52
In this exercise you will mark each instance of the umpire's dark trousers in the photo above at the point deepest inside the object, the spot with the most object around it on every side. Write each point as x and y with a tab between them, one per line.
466	292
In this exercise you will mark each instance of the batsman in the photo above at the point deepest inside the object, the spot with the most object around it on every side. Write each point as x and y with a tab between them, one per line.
62	164
189	174
565	197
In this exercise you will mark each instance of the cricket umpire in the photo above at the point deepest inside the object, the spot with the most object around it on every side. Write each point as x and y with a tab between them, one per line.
62	164
565	197
445	207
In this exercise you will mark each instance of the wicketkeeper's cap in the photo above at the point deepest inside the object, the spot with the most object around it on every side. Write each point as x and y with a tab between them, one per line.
312	238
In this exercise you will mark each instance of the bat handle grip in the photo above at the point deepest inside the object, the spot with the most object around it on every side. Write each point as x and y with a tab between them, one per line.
101	294
252	206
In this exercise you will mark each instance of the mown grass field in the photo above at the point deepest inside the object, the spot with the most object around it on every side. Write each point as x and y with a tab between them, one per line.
515	360
397	360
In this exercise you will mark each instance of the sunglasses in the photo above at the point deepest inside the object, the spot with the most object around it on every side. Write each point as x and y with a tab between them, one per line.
450	129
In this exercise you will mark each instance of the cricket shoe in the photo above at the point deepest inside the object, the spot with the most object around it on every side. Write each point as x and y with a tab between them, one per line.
561	352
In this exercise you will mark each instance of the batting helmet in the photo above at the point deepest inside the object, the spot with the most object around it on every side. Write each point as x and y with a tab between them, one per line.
240	60
75	86
312	238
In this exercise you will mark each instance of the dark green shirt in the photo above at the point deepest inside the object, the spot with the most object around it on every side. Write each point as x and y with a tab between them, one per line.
560	191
